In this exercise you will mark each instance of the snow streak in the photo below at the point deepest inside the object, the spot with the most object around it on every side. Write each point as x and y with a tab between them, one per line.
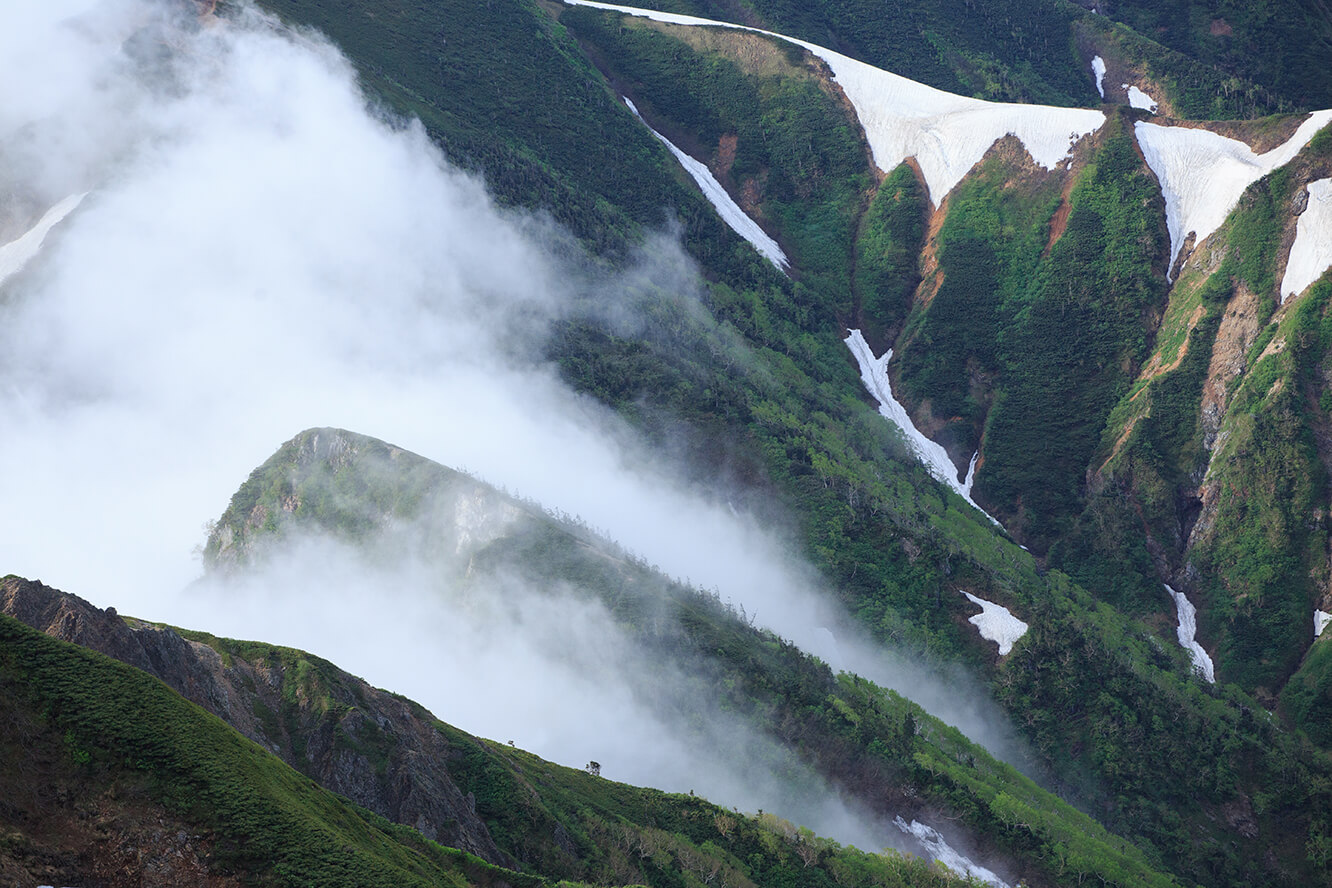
20	251
947	134
727	208
1321	619
1187	629
941	851
1098	68
874	374
1311	254
1202	174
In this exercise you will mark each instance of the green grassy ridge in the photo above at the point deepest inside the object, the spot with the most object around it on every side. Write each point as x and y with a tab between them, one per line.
888	244
837	724
1307	697
1058	327
1138	494
989	249
1261	563
268	824
538	810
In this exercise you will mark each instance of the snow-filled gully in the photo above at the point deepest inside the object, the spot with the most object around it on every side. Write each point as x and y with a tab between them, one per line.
1311	254
1203	174
19	252
728	209
940	850
874	375
947	134
1186	632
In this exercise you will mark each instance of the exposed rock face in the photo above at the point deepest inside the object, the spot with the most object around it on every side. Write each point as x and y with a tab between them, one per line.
378	750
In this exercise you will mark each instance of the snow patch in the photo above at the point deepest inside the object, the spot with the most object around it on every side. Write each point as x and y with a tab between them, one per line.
1139	99
1203	174
20	251
1187	629
944	853
1311	254
1321	619
874	375
727	208
996	623
947	134
1098	68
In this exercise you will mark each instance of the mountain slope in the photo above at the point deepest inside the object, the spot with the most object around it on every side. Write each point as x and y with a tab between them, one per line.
109	732
392	501
560	822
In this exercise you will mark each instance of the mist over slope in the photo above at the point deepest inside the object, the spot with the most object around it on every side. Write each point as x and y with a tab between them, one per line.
229	277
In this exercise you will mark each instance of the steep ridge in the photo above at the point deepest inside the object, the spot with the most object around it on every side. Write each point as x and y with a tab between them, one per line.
165	793
560	822
336	734
388	497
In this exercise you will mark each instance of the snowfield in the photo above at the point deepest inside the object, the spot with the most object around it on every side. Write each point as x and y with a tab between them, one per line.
941	851
1311	254
728	209
1187	629
1098	69
874	374
946	134
1139	99
20	251
996	623
1321	619
1202	174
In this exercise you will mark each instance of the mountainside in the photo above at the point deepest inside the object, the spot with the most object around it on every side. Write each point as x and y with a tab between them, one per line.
370	747
1012	306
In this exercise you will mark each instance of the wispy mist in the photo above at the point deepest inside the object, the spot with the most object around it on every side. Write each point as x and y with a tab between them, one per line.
546	668
257	254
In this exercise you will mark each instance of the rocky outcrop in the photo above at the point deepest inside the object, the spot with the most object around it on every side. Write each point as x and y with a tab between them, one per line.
380	751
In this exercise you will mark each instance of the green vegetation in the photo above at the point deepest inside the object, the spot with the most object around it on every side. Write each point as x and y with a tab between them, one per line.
1307	697
842	725
1173	748
1040	50
267	823
568	824
892	232
989	248
1281	45
793	149
1263	559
